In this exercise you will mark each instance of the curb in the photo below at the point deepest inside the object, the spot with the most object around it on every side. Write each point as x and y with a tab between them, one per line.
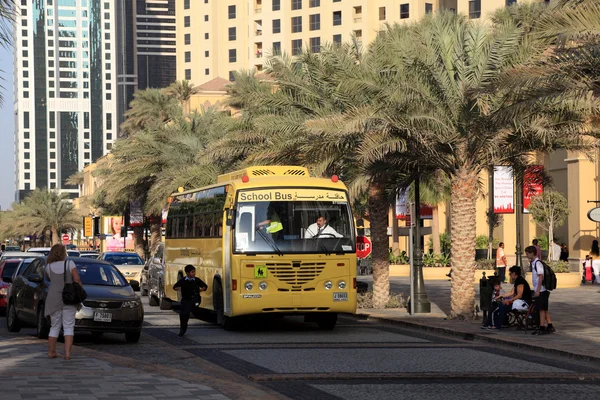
476	336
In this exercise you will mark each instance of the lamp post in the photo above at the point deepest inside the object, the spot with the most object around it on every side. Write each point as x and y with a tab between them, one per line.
422	304
519	222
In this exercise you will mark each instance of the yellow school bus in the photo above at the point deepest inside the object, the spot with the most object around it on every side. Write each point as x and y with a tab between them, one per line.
266	240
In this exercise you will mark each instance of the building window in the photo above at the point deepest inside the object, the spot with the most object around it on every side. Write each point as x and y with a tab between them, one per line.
296	47
337	39
206	71
188	56
296	4
296	24
404	11
232	33
428	8
276	5
474	9
206	36
315	45
276	26
188	74
231	76
315	3
206	18
276	48
231	10
337	18
232	55
109	121
206	53
381	13
510	2
186	4
187	38
315	22
187	21
26	120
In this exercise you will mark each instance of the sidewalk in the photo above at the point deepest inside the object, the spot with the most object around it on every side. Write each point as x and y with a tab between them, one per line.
27	373
575	314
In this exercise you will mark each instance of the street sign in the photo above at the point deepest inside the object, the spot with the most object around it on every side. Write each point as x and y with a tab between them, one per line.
87	227
594	214
66	238
363	247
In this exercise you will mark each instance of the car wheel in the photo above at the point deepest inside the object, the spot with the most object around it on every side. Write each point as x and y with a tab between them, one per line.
162	303
327	322
43	327
133	337
152	300
143	289
12	322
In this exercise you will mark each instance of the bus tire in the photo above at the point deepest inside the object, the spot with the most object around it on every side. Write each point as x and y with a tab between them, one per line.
327	321
163	303
179	277
218	304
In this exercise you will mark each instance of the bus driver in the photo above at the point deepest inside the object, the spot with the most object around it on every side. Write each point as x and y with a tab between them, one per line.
321	229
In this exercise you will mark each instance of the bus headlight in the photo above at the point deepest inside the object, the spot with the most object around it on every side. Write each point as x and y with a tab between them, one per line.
328	285
262	285
342	285
248	285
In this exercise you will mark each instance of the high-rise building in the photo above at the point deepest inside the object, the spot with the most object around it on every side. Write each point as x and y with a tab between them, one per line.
217	37
146	35
65	82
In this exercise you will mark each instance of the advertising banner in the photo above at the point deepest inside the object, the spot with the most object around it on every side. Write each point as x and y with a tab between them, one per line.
112	230
532	185
504	191
87	227
401	200
136	216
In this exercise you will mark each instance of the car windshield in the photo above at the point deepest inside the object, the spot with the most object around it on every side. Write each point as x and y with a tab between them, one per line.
124	259
9	269
40	251
99	274
294	227
89	255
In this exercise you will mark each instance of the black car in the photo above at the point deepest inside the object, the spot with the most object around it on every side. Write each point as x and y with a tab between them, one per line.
111	304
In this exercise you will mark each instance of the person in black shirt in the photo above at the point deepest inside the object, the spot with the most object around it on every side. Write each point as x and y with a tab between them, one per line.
519	299
190	287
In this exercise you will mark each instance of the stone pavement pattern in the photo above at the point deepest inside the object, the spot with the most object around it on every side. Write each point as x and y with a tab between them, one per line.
574	314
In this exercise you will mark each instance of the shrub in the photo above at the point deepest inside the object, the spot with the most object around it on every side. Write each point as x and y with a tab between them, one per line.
443	260
401	258
559	267
543	242
431	260
481	242
444	243
485	264
365	300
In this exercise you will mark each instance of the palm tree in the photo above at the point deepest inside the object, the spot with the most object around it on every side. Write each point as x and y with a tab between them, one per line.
149	108
41	211
7	17
182	91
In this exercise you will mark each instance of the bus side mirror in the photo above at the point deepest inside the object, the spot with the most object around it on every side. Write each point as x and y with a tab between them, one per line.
229	217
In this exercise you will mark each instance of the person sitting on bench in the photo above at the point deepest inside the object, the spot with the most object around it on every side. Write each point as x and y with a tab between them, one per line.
518	300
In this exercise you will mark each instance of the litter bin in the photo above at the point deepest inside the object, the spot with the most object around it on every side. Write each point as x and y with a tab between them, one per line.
485	295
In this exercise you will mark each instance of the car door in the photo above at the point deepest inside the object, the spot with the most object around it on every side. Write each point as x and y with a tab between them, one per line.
25	292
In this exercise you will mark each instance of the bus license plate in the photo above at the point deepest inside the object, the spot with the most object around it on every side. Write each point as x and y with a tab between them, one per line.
102	317
340	296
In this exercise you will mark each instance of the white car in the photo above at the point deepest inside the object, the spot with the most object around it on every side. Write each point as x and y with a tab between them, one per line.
46	250
130	265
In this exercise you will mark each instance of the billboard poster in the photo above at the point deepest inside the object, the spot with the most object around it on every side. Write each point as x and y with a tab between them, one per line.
503	190
112	229
136	216
401	200
532	185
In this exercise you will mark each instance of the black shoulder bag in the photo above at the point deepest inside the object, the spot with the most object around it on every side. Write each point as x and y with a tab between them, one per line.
72	293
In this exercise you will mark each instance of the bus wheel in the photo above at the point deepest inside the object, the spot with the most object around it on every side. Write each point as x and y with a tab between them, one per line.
327	322
218	304
179	277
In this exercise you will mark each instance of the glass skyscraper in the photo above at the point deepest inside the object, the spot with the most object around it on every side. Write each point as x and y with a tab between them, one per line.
65	89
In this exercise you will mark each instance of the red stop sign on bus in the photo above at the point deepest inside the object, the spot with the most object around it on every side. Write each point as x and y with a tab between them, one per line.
363	246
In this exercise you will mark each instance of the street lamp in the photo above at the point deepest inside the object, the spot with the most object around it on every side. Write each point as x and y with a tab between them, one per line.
421	304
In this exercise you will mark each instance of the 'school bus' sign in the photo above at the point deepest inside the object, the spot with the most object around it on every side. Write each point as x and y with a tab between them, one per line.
291	195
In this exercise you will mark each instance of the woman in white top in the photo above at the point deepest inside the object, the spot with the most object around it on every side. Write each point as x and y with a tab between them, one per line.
61	315
595	256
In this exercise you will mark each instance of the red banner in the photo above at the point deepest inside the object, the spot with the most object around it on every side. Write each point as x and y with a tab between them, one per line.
532	184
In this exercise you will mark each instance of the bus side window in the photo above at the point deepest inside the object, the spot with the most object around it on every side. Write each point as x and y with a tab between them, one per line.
218	227
208	222
198	225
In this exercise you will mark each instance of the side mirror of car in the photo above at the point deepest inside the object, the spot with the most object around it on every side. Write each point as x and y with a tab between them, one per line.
34	278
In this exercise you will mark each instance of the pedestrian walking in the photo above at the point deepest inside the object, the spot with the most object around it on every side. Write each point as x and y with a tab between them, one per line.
59	271
501	262
190	287
541	295
595	256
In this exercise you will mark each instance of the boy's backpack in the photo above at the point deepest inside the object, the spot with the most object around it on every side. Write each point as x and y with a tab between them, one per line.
549	277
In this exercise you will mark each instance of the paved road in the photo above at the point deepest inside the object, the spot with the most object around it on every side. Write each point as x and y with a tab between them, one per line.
285	358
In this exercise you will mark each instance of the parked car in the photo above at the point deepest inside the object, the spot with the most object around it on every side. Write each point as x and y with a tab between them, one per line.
130	265
110	306
7	269
11	255
155	279
46	250
90	255
12	248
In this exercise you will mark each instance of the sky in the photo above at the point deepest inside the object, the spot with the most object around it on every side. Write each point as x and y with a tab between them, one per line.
7	131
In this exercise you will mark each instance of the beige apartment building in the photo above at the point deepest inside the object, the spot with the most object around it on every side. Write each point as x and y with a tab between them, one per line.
217	37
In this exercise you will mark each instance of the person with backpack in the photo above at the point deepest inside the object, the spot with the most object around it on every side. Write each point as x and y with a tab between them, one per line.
540	274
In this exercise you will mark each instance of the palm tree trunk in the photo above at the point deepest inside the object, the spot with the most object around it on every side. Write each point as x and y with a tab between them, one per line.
55	237
155	233
435	230
463	233
378	211
138	241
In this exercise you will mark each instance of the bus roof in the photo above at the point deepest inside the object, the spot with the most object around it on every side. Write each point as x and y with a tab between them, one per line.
263	172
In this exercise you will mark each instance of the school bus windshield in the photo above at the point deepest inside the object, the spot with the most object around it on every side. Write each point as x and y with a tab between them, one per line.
286	227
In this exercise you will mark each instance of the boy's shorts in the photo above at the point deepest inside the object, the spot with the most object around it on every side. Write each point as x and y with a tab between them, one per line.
541	302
